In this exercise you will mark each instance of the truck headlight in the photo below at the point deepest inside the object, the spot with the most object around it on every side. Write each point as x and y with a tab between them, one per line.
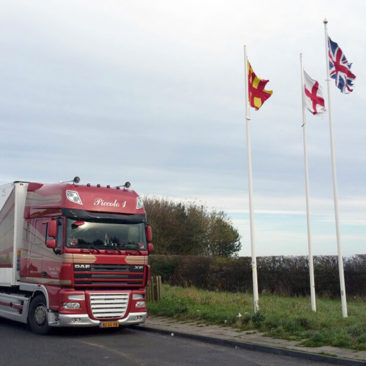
73	196
140	304
71	305
139	203
137	296
80	297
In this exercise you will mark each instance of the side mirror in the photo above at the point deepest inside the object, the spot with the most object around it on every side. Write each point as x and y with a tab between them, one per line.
78	223
51	243
148	234
52	228
150	247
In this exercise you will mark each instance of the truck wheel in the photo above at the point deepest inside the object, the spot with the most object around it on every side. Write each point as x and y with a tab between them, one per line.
37	317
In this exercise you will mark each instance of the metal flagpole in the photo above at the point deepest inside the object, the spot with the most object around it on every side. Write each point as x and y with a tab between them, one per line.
310	249
250	186
335	189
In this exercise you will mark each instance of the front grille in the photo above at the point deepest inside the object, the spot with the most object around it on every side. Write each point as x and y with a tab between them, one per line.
113	275
115	268
107	276
109	306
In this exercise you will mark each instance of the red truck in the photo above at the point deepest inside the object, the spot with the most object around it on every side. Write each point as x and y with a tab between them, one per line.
73	255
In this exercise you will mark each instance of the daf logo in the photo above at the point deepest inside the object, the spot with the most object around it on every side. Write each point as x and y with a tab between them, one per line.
82	267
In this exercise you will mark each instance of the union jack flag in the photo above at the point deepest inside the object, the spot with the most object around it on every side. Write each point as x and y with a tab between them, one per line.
340	68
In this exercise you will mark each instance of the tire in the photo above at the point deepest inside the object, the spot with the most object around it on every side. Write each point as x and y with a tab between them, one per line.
37	316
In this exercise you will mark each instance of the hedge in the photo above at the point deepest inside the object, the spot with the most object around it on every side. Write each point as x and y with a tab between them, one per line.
276	275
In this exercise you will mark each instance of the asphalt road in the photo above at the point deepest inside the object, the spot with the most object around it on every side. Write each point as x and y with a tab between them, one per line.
123	346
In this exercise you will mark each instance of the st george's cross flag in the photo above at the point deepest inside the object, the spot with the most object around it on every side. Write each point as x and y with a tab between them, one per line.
340	68
256	93
314	100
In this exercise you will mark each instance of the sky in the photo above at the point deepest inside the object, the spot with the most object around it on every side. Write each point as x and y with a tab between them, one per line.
153	92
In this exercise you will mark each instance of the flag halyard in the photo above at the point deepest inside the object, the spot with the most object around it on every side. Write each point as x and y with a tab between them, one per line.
256	93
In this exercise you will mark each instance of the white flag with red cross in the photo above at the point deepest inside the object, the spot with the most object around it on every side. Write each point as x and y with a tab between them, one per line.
314	100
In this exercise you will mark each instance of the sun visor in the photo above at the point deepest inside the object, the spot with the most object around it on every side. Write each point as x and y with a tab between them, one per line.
102	216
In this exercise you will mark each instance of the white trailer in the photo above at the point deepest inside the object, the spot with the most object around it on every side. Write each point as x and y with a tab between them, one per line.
12	203
13	302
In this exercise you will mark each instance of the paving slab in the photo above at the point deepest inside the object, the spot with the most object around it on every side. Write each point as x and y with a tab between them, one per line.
251	338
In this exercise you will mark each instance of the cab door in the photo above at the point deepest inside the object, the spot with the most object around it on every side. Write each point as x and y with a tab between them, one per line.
37	232
52	258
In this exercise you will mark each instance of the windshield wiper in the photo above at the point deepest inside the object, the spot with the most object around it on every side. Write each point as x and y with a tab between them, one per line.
113	248
134	243
95	248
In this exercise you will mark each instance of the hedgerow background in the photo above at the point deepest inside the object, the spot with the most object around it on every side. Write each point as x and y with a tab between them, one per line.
276	275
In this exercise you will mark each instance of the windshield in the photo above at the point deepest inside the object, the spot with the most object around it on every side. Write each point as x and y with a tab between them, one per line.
97	235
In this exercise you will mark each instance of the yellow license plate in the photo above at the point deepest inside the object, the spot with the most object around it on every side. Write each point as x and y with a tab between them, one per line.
109	325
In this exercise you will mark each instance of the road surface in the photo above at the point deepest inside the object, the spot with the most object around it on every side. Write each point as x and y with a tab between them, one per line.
121	347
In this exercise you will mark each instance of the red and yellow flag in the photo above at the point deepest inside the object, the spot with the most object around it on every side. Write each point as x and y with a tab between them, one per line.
256	93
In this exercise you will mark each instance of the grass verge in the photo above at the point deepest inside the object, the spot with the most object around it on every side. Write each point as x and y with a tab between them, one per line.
279	316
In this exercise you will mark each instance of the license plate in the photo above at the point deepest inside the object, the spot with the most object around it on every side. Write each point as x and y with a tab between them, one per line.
109	325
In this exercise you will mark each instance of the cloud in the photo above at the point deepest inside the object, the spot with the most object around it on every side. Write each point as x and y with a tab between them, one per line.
153	92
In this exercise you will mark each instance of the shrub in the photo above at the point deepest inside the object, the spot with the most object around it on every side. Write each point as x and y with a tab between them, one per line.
276	275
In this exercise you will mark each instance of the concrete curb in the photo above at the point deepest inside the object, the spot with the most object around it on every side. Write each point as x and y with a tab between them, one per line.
254	347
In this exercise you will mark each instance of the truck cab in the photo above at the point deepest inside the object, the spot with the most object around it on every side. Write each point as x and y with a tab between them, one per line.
78	256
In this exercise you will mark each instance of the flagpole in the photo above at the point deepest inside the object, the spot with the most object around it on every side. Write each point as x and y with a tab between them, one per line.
250	187
310	249
335	189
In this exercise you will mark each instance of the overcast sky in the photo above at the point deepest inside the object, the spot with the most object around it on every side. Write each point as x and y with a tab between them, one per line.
153	92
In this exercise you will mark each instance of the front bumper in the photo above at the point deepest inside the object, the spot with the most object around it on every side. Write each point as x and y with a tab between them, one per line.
83	320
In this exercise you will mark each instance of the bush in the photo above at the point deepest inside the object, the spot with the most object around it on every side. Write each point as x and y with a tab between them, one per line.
276	275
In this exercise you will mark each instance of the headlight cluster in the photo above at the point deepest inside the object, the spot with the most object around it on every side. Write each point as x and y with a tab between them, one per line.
80	297
73	196
71	305
140	304
139	203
